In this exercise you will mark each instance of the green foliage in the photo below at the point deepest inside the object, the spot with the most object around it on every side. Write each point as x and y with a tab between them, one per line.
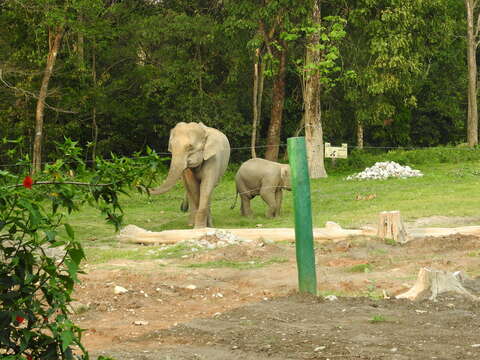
36	285
329	32
139	67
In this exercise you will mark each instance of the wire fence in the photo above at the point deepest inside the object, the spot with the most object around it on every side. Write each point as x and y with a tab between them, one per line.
281	145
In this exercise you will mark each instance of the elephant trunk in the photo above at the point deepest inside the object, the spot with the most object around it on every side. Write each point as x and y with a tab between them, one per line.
174	173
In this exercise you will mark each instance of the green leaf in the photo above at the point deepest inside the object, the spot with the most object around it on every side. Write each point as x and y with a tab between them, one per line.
70	231
77	255
66	337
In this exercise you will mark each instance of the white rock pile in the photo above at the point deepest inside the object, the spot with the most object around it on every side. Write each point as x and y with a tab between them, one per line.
385	170
214	239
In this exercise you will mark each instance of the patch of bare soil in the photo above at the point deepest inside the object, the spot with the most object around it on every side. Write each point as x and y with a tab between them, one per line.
172	311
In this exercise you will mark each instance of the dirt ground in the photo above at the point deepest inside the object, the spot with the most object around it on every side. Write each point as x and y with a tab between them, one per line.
172	311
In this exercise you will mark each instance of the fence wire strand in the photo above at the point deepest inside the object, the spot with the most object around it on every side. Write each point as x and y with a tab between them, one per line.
281	145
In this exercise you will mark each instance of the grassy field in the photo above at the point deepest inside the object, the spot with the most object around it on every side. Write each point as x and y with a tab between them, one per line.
445	189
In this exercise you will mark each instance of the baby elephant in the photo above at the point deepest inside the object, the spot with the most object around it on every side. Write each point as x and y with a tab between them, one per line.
265	178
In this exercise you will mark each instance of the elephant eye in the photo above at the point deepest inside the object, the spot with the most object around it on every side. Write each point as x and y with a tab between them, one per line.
189	147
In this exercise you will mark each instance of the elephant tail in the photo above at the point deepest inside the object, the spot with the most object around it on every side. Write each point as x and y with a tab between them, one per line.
184	205
235	202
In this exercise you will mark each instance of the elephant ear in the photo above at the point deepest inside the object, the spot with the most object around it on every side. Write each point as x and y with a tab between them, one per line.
212	146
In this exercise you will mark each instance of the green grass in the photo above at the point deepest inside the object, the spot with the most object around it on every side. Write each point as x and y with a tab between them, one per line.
360	268
376	319
98	255
445	189
241	265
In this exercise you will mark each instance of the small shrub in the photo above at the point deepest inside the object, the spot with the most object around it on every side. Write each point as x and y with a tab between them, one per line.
378	319
35	286
361	268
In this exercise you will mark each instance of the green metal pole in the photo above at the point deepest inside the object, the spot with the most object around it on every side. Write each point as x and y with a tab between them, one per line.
297	154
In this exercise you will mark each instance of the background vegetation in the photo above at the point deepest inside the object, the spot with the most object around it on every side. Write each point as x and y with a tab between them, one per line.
129	70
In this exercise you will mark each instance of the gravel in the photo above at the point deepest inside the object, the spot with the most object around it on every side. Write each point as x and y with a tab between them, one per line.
214	239
385	170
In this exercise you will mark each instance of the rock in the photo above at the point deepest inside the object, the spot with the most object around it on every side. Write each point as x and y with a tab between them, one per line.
331	297
385	170
140	322
331	226
119	290
77	307
190	287
213	239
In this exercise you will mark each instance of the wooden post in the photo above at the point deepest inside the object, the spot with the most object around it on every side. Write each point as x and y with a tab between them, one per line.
297	153
391	226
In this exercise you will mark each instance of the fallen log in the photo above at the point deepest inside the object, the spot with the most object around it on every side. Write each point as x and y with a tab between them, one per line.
432	283
463	230
331	231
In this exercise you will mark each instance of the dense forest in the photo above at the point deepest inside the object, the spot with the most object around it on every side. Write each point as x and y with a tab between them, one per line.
117	75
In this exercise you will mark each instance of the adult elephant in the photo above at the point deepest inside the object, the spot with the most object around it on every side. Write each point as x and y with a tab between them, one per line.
200	156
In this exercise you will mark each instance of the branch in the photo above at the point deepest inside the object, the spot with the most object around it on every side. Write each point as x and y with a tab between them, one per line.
266	39
26	92
477	28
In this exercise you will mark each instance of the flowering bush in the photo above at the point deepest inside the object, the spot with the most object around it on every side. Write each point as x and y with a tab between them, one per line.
36	287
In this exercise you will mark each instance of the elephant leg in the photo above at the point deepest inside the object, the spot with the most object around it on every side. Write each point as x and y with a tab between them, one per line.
209	219
245	207
278	201
203	211
193	194
245	197
268	195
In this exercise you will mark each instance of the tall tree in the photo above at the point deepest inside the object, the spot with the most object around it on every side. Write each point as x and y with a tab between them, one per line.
258	83
473	27
54	39
311	98
278	53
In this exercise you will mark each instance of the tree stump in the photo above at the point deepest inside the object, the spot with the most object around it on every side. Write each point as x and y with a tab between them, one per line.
391	226
434	282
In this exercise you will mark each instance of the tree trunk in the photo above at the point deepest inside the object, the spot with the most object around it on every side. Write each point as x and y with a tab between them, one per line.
40	110
390	226
359	135
258	80
278	99
311	100
472	117
80	45
255	105
431	283
94	110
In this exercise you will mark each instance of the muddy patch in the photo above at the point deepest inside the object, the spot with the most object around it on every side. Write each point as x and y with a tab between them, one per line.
221	310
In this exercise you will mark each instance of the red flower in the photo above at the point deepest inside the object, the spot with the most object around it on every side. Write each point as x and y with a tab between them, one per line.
28	182
29	357
20	319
